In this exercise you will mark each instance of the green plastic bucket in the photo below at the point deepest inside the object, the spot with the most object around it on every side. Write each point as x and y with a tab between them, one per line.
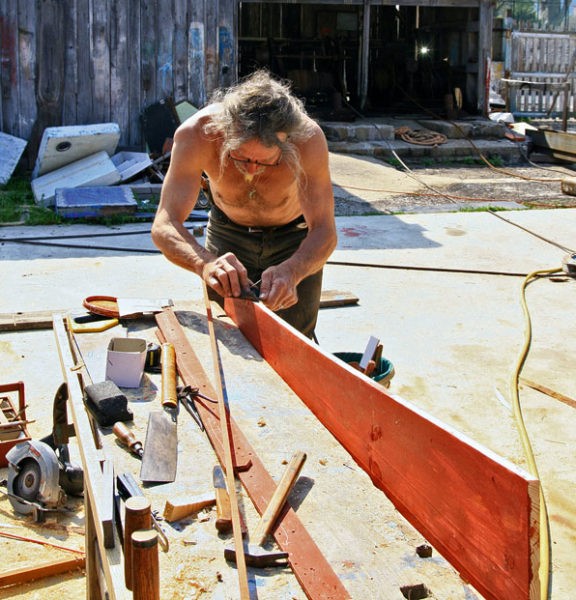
383	372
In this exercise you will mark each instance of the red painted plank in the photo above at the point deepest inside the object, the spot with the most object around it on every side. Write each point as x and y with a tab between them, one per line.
309	565
477	509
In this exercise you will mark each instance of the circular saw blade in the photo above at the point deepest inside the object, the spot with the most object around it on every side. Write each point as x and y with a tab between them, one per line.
28	481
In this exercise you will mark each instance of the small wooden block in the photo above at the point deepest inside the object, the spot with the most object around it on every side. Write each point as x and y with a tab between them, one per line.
332	298
177	509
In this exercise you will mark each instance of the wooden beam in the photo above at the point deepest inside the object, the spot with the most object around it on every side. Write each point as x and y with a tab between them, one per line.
99	507
20	321
46	569
479	510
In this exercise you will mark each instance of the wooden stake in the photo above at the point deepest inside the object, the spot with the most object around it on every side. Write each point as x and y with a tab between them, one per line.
549	392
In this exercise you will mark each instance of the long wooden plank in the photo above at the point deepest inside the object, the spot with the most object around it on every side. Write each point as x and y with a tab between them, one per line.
313	572
479	510
99	509
39	571
228	443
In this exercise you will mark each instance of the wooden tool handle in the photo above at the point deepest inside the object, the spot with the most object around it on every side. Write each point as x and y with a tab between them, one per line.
146	565
223	510
169	395
124	434
278	499
138	516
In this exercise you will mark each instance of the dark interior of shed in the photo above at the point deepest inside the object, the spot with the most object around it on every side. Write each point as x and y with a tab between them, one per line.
419	59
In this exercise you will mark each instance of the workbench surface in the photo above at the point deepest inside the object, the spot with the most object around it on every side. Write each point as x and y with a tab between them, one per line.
369	545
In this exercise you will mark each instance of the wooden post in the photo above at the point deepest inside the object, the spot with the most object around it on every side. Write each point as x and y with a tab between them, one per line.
138	517
146	577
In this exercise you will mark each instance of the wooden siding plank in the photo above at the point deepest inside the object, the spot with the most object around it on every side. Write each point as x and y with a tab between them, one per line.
132	137
211	44
164	53
26	67
101	24
180	44
149	40
71	83
120	56
479	510
50	64
197	63
84	95
227	42
9	67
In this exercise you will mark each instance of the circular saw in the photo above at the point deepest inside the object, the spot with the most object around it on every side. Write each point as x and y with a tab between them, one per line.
33	479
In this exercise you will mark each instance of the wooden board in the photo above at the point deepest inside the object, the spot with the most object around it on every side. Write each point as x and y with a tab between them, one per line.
479	510
99	201
61	146
11	149
333	298
96	169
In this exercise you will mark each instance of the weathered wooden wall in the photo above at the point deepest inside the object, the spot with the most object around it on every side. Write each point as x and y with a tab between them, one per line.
72	62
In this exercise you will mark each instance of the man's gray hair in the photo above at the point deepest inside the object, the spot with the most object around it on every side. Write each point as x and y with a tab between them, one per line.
260	107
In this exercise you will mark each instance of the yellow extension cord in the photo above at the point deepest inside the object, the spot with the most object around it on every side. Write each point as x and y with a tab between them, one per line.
544	531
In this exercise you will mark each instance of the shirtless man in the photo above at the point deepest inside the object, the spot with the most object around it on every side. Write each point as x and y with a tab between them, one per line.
272	215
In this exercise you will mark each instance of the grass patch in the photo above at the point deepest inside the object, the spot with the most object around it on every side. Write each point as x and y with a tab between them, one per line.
483	209
17	205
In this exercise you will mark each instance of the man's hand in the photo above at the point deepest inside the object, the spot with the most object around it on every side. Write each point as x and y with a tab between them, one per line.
226	275
278	288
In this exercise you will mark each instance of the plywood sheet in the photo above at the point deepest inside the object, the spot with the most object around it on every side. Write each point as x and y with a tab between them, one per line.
61	146
96	169
11	149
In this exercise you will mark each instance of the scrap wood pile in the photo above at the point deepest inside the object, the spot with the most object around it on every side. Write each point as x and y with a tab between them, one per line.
80	173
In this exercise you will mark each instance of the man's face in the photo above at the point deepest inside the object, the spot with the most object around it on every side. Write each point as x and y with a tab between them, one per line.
253	158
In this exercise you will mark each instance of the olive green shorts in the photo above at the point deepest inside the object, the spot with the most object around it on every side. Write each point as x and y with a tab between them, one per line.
259	248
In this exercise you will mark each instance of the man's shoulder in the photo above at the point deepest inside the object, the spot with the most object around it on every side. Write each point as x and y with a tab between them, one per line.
200	117
195	127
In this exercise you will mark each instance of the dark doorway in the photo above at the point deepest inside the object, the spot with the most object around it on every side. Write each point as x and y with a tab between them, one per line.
418	58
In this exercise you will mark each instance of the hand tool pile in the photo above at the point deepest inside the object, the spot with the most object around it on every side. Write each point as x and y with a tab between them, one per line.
139	527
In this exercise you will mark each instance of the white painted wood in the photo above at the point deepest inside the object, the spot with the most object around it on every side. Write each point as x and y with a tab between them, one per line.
131	163
62	146
97	169
11	149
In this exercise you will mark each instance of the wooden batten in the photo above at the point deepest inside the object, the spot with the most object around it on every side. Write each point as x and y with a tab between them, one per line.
479	510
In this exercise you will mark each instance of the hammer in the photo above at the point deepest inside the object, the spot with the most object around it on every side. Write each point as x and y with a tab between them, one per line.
255	555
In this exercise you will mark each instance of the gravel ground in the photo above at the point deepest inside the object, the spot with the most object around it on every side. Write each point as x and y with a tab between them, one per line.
385	189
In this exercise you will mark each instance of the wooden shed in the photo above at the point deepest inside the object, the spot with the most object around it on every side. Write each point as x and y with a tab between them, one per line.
65	62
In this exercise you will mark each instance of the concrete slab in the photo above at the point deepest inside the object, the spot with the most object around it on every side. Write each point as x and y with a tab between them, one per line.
61	146
442	291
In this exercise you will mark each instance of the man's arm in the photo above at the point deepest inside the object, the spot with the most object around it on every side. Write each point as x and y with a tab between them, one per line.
180	191
278	288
